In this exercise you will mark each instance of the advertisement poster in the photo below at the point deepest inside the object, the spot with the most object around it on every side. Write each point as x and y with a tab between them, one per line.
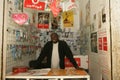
34	4
105	43
68	19
43	20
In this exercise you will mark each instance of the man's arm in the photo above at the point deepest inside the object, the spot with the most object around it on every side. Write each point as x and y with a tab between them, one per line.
43	53
69	55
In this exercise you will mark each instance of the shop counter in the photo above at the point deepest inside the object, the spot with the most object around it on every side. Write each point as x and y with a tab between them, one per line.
53	74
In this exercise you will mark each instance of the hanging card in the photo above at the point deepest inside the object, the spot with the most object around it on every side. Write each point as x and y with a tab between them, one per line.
20	18
55	8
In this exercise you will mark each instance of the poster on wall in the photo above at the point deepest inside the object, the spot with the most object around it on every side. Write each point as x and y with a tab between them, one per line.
102	40
68	19
43	20
19	18
94	42
105	47
103	43
34	4
69	5
56	23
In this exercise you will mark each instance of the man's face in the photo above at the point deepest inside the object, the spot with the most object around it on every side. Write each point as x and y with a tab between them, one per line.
54	38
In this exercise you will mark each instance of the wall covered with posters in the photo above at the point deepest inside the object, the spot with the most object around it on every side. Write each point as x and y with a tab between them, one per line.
20	36
115	32
100	55
84	29
94	17
66	24
25	34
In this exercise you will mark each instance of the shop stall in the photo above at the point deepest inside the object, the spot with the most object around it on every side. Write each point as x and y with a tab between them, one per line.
28	25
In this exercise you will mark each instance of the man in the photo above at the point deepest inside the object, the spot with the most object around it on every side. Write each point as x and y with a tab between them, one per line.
54	52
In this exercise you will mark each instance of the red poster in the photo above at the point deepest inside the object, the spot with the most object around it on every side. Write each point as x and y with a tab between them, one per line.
43	20
100	43
69	64
105	48
34	4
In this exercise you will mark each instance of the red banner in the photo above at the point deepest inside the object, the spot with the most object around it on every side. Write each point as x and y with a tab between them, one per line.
43	26
69	64
34	4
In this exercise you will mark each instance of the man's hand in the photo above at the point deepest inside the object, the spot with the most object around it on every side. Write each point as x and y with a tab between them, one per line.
78	68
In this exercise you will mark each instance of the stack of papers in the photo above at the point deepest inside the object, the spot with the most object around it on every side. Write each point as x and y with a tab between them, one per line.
37	72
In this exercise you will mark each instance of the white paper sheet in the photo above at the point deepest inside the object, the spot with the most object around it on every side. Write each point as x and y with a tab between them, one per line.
40	71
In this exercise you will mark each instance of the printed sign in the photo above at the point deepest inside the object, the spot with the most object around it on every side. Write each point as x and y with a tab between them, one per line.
68	19
34	4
